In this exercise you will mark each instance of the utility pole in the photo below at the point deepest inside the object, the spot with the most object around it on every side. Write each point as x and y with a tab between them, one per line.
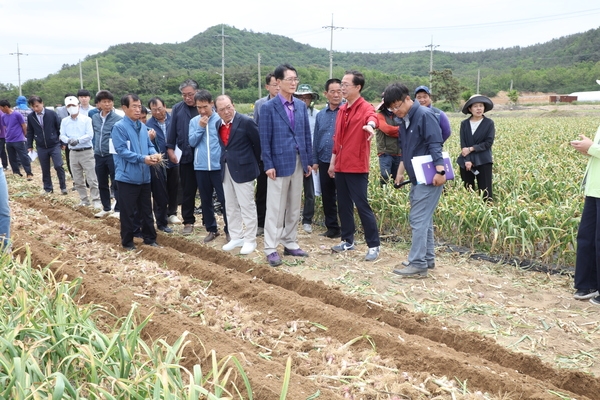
18	54
223	36
331	46
479	78
80	75
98	74
431	47
259	79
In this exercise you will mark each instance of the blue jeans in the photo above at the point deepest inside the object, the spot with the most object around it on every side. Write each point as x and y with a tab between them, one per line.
423	201
4	213
388	165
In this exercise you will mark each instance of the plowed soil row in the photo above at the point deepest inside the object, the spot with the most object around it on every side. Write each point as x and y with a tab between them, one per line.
293	313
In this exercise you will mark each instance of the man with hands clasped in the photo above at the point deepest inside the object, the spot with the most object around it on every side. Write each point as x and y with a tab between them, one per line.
134	156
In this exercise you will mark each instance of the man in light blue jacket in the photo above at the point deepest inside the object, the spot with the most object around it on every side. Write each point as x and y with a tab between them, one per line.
134	156
204	139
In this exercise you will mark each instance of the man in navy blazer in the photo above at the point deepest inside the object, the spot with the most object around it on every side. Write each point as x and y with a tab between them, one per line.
240	157
43	127
285	142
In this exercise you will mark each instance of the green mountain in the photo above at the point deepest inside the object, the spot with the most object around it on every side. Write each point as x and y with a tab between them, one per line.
563	65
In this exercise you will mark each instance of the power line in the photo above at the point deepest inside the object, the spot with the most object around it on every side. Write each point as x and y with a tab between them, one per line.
331	27
18	54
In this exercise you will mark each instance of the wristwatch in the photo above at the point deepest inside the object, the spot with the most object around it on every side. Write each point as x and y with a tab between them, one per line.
442	172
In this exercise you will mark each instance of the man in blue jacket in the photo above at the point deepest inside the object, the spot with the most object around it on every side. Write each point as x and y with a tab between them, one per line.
286	146
134	156
204	138
420	134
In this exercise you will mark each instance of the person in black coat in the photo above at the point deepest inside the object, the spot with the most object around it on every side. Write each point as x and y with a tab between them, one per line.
43	126
240	157
476	139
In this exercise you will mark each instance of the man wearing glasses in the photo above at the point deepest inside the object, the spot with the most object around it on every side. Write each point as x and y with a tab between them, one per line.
354	129
287	154
178	136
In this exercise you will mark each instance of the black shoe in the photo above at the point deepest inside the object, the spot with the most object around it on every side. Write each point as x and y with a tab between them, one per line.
332	233
165	229
153	244
130	247
595	300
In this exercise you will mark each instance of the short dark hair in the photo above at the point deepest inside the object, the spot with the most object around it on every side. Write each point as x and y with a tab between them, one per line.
69	94
268	78
357	78
104	95
279	72
83	92
4	103
155	100
144	110
128	99
203	95
34	99
395	92
330	81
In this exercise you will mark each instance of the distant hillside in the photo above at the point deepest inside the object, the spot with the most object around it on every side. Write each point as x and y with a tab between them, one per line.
563	65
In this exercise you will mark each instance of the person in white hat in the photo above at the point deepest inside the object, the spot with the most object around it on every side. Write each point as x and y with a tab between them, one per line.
76	130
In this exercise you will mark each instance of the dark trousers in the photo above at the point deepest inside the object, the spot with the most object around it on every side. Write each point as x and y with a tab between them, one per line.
160	196
329	197
484	179
173	187
308	212
351	191
388	166
3	156
105	168
587	262
54	154
136	198
209	181
260	196
190	187
17	153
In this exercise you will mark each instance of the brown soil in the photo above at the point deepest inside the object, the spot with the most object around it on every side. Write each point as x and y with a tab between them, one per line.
352	329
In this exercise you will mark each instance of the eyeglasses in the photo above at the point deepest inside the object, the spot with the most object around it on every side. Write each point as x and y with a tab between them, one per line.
295	79
228	107
394	109
346	85
188	95
136	106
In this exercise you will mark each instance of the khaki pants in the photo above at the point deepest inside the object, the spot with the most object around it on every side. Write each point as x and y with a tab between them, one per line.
82	162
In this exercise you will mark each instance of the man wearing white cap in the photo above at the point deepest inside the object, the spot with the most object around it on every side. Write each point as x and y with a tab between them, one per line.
76	130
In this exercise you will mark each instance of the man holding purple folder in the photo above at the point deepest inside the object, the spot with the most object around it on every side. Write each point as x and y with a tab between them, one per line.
420	135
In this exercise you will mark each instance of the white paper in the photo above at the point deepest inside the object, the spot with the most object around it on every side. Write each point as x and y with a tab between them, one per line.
111	146
178	153
33	155
316	182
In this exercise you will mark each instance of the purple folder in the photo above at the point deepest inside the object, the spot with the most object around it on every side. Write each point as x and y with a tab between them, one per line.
429	170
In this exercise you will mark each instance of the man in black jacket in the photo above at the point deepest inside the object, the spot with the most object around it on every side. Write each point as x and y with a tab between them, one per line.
43	125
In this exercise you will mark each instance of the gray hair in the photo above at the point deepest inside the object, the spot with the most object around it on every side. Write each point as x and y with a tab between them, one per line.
189	82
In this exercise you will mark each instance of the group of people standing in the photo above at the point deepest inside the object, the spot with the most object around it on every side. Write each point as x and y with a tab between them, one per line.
205	146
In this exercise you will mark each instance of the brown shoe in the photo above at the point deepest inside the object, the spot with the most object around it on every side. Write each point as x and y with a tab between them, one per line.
188	229
211	236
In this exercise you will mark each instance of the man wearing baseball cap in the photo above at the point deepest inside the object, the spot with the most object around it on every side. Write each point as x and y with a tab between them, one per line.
423	96
76	130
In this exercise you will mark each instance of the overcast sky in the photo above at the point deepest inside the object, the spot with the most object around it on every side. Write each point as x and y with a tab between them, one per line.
53	33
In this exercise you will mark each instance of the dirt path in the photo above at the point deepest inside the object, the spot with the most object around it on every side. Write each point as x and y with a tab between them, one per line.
349	326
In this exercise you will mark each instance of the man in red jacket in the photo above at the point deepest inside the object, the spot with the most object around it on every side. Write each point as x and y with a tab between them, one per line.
354	129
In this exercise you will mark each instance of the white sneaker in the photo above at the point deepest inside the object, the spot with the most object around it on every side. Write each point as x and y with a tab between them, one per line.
97	205
102	214
307	228
116	214
173	219
372	254
232	244
248	248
